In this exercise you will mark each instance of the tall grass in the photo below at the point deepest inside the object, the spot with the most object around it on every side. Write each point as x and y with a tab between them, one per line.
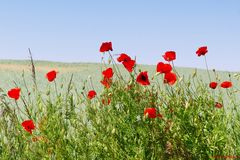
71	126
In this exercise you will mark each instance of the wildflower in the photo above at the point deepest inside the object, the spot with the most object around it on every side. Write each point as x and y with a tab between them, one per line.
226	84
170	78
151	113
123	57
108	73
213	85
138	118
91	94
129	65
28	125
106	103
142	78
14	93
169	56
202	51
51	75
106	46
218	105
164	68
127	62
106	82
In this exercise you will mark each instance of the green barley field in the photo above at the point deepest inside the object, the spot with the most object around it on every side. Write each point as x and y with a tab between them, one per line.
13	70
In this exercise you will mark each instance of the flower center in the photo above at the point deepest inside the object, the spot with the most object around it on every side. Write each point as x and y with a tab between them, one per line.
143	78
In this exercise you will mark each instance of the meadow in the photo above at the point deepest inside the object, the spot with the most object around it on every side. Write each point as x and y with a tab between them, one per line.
117	111
13	70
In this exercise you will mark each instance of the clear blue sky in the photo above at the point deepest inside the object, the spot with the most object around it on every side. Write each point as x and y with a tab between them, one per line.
72	31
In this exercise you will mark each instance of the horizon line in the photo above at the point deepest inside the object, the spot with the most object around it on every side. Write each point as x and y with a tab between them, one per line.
83	62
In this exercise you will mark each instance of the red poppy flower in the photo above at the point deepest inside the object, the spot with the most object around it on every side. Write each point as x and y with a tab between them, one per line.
129	65
213	85
106	103
51	75
202	51
91	94
151	113
126	61
163	68
169	56
28	125
106	46
108	73
14	93
226	84
218	105
170	78
106	82
142	78
123	57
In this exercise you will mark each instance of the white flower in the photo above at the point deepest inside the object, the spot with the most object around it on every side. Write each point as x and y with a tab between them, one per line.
138	118
119	106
